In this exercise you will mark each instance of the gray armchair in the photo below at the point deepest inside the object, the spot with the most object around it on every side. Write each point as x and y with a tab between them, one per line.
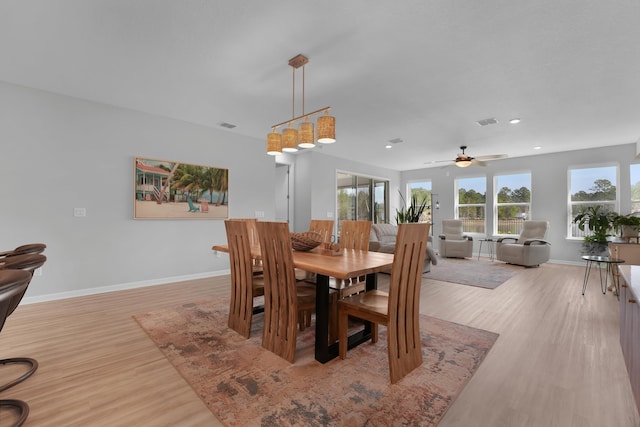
530	249
453	243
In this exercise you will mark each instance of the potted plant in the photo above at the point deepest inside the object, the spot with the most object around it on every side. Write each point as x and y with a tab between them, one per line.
412	212
628	225
600	223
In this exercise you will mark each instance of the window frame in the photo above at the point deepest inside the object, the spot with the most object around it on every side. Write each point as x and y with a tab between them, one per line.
428	215
457	204
614	204
497	204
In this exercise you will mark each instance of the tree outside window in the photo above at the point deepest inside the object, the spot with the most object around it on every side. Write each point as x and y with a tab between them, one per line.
471	204
635	188
361	198
422	191
513	202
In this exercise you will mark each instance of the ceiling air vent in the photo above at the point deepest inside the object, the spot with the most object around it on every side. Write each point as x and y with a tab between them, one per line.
396	141
486	122
227	125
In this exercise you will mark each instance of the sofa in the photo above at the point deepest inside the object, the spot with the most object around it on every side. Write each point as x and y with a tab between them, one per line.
383	239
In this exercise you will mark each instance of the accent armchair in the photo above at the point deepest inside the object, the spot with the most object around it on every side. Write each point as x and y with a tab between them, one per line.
453	242
530	249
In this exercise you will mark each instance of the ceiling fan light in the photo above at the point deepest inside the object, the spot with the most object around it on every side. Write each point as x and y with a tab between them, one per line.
274	144
290	140
463	163
326	129
306	135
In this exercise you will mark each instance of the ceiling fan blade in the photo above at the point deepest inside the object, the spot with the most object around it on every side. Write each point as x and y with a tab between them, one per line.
492	157
477	162
438	161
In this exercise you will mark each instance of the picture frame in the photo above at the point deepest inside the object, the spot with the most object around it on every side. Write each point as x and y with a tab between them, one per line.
166	189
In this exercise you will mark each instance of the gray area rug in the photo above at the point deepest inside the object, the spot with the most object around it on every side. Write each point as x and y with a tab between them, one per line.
472	272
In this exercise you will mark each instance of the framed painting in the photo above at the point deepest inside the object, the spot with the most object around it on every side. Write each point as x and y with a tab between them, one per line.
165	189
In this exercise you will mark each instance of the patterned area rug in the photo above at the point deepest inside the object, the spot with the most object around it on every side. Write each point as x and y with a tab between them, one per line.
473	272
246	385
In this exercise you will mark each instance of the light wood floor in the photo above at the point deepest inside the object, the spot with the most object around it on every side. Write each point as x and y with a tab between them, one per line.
557	361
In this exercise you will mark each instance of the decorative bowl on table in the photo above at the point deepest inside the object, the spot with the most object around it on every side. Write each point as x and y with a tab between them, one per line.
305	241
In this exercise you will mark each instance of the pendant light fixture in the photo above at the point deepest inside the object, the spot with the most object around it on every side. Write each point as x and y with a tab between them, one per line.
303	137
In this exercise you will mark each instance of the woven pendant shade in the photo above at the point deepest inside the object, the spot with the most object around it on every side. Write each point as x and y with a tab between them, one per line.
274	144
290	140
305	135
326	129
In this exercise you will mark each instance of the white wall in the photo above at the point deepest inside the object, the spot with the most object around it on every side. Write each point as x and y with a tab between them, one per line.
59	153
316	184
548	188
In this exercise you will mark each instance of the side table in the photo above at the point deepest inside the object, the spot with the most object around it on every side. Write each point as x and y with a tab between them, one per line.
490	243
611	263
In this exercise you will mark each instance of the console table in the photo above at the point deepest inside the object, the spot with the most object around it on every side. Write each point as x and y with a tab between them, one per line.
611	264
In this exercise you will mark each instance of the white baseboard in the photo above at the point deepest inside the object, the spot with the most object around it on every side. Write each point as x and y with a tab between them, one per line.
121	287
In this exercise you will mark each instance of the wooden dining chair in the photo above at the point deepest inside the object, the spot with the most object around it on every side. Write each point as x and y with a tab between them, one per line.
245	285
324	227
354	235
398	310
283	299
253	236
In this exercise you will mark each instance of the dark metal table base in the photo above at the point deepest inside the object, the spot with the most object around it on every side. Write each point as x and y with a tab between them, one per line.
324	351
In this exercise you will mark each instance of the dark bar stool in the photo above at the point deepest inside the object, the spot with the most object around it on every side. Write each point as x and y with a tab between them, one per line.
13	283
31	248
27	263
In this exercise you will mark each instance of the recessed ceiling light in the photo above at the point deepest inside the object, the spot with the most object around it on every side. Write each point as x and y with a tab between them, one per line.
388	146
537	147
514	121
227	125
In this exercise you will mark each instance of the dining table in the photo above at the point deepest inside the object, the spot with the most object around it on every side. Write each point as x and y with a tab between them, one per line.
347	264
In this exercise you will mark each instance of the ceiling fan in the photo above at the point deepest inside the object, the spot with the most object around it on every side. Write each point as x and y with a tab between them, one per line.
464	160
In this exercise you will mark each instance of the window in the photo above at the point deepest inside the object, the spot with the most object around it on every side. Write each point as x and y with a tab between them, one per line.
635	188
422	191
512	202
358	194
595	186
471	203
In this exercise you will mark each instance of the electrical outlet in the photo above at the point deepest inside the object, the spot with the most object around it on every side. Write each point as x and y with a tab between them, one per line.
259	214
79	212
329	214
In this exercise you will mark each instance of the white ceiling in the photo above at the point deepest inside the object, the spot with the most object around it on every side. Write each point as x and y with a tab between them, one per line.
420	70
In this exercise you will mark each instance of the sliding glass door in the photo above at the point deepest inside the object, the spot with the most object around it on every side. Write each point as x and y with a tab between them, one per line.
362	198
